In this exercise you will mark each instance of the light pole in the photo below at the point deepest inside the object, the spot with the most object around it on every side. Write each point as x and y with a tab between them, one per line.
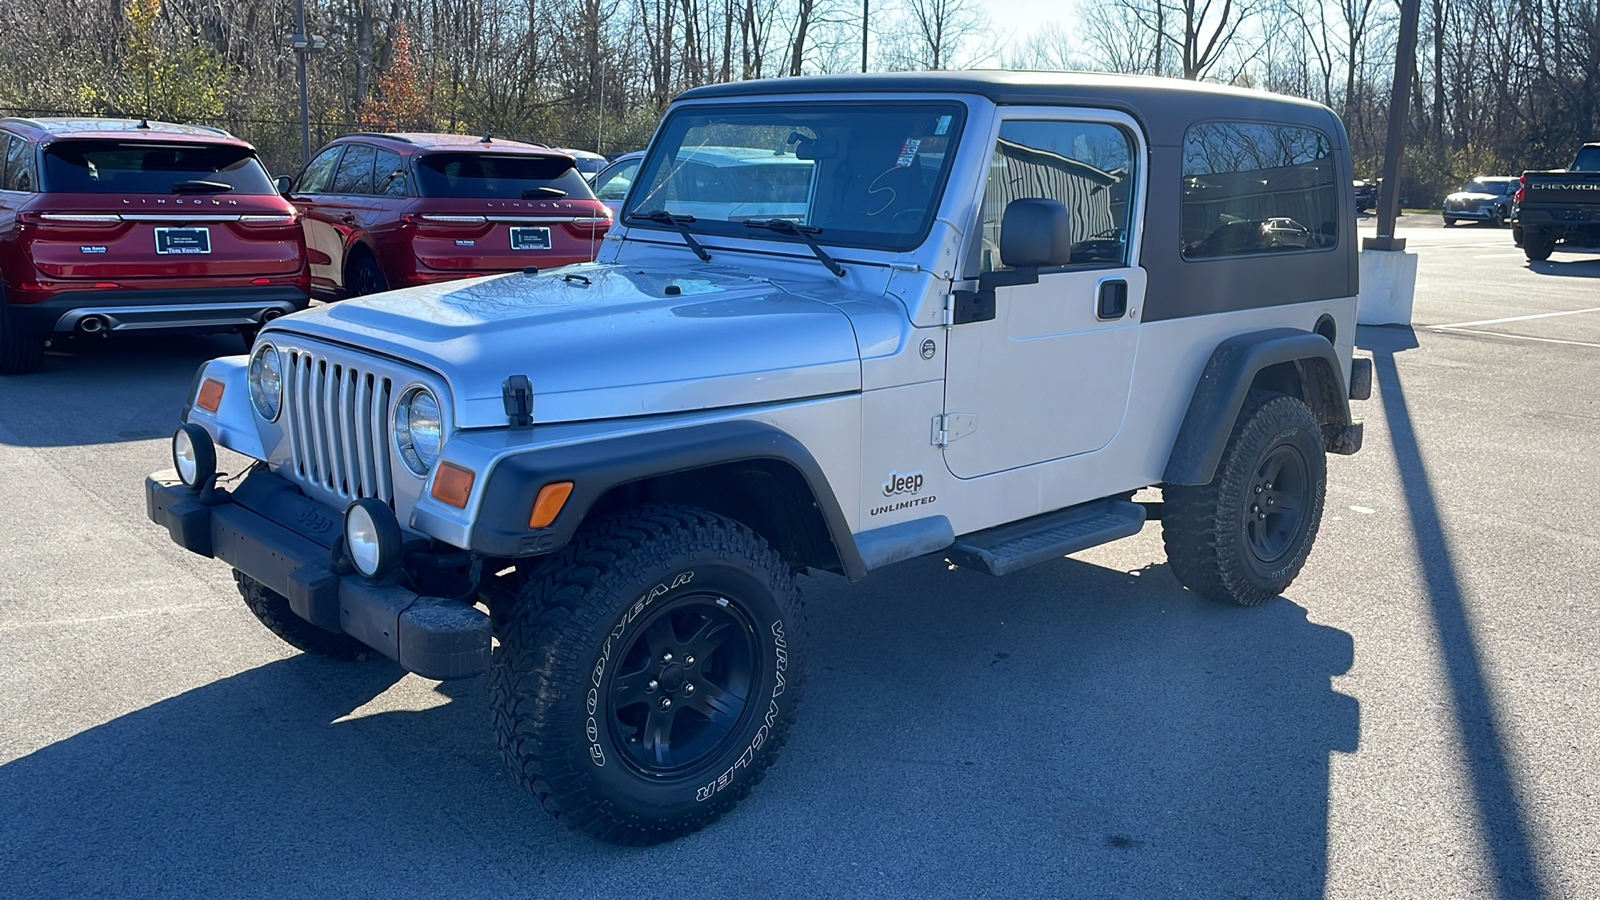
864	6
1394	147
301	48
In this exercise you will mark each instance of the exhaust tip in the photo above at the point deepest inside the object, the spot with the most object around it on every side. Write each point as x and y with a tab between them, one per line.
91	325
270	314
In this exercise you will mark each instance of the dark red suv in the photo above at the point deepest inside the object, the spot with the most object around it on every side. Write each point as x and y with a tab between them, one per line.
121	225
385	211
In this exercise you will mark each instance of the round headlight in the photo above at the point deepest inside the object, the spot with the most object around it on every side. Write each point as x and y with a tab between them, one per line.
193	455
418	430
266	382
372	537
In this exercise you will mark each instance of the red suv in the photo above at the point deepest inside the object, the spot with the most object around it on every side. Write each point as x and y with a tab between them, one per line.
385	211
119	225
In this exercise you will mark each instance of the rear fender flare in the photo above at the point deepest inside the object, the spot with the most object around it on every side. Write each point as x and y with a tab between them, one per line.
1227	379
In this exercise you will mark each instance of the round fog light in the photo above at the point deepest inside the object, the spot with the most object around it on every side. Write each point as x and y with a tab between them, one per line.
193	455
372	537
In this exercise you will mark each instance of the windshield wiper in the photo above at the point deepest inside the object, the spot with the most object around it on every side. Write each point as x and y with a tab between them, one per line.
543	191
678	222
804	233
200	187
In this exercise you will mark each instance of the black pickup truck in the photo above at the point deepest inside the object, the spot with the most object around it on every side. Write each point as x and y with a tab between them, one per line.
1560	207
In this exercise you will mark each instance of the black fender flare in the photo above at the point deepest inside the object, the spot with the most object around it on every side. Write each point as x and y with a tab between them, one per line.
1222	387
595	467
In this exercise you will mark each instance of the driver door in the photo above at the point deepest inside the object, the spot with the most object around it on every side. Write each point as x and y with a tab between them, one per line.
1049	375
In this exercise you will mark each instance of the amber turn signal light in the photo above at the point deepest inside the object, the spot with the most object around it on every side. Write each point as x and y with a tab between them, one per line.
210	395
452	485
548	505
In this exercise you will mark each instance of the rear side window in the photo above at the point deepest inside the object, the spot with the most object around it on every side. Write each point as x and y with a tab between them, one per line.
511	177
109	167
18	174
389	175
1255	189
1588	160
317	175
354	175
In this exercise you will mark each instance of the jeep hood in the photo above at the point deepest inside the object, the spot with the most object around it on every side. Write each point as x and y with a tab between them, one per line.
603	341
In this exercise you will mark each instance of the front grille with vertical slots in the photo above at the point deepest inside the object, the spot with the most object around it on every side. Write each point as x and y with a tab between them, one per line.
339	426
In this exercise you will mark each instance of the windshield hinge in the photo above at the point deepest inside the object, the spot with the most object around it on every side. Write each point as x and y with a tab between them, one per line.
951	427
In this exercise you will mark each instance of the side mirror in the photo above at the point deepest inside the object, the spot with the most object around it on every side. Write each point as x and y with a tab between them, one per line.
283	183
1035	233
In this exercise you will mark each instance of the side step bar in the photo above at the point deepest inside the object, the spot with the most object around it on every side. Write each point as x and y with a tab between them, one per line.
1017	545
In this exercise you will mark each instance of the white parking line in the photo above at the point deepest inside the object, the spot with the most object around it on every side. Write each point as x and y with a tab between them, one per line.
1497	255
1547	315
1517	337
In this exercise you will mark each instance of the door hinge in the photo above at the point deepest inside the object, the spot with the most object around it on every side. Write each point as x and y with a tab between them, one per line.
951	427
965	307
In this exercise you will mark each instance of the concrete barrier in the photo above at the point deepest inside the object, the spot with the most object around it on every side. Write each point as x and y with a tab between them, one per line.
1388	287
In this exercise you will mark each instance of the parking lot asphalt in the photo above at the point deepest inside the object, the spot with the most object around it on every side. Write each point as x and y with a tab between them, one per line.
1416	717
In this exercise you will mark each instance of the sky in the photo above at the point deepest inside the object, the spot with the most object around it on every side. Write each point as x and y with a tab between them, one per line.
1018	15
1013	18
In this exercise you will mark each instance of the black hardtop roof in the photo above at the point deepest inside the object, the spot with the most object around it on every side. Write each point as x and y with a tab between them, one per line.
1166	106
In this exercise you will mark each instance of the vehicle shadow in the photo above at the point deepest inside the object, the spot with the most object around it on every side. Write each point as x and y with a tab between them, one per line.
1501	818
1069	731
104	391
1577	268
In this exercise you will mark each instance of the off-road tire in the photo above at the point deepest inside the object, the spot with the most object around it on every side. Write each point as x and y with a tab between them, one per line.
20	354
1205	528
564	659
1537	245
366	277
272	608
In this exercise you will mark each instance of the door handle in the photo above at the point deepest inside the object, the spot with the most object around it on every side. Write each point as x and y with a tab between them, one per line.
1113	301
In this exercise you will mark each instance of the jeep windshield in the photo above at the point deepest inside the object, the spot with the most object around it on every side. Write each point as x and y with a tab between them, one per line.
864	175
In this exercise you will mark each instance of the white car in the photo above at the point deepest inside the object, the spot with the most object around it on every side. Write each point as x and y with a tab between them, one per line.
1490	200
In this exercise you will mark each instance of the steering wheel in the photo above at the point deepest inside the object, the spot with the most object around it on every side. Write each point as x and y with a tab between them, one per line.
918	212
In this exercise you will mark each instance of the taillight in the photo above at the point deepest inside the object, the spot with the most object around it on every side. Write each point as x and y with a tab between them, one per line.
1523	181
443	221
73	220
587	228
275	221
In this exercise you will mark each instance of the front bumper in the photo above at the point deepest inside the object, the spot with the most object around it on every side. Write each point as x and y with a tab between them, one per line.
271	532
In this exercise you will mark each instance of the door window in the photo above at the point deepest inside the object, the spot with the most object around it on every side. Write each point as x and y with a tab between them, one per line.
613	185
389	175
1251	189
5	154
1088	166
317	175
354	175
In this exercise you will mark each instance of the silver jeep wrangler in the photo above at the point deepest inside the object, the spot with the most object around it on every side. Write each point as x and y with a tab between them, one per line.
841	322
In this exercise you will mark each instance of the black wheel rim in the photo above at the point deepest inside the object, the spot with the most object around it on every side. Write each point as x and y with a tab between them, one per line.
1275	508
682	685
366	281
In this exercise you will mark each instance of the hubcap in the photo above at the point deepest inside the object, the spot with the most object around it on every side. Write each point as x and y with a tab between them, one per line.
682	684
1276	505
